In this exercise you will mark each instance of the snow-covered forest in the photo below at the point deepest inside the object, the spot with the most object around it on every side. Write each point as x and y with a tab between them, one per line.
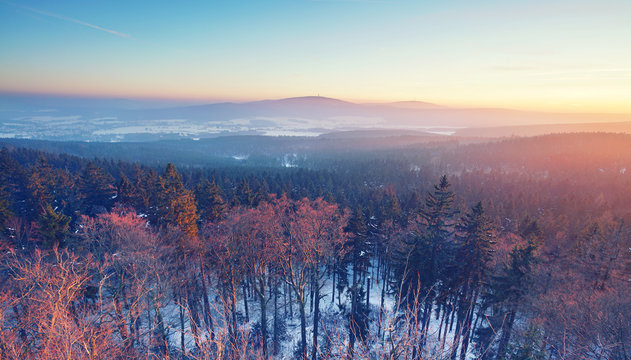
481	251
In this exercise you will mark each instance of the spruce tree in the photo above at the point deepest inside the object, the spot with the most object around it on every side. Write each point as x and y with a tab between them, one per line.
177	205
5	206
505	291
210	202
360	260
422	265
14	181
96	188
474	241
243	195
41	185
127	192
52	227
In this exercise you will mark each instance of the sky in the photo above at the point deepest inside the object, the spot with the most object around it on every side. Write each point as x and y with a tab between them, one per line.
545	55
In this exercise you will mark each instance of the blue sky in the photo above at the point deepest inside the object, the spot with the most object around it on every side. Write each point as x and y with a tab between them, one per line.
546	55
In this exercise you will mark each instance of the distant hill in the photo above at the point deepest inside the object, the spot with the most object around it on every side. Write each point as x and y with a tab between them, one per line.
534	130
414	105
87	119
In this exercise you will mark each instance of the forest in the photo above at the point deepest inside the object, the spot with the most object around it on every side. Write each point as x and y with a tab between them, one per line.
516	248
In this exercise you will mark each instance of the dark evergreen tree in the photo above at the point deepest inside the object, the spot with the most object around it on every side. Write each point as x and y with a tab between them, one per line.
530	347
97	189
14	181
52	227
210	202
359	255
5	207
41	185
261	194
146	186
243	195
474	242
127	193
177	205
422	266
506	290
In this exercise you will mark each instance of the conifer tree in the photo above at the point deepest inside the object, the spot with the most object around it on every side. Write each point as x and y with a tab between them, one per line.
145	186
424	261
177	204
13	179
127	192
210	202
474	241
243	195
507	289
41	186
360	262
96	188
5	207
52	227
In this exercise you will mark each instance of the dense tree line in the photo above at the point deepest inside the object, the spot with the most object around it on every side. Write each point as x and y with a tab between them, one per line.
368	259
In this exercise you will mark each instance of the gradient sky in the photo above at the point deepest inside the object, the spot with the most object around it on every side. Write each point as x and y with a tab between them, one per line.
569	56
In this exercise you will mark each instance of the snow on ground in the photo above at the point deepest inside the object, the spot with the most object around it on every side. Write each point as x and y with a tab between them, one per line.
334	321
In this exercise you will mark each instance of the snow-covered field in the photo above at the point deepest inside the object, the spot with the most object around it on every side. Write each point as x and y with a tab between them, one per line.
113	128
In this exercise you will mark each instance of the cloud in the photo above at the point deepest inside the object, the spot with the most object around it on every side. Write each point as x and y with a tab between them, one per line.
69	19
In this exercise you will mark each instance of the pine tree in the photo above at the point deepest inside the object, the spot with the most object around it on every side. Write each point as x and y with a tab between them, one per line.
243	195
14	181
423	263
96	188
474	241
177	204
530	347
41	186
360	261
145	184
127	192
261	194
210	202
5	206
52	227
506	290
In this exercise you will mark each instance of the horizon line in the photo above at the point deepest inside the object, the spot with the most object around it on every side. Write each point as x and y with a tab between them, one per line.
227	99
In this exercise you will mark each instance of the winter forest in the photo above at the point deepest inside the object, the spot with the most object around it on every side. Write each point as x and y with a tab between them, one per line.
510	249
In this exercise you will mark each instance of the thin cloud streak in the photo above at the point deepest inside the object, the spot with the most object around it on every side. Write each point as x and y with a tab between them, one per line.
69	19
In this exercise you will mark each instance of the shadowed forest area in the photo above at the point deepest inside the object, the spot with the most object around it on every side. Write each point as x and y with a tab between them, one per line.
513	249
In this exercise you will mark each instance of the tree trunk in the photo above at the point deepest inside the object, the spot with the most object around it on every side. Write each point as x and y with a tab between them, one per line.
446	314
303	328
316	319
285	299
506	333
233	310
264	326
442	320
384	283
182	344
291	306
368	292
456	339
312	290
468	328
333	288
352	331
427	317
207	316
245	304
263	302
276	324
